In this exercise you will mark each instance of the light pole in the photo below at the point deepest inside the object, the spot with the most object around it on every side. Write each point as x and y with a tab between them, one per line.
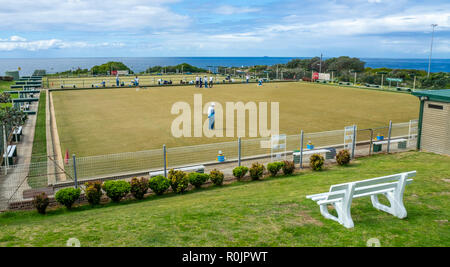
431	49
320	68
382	77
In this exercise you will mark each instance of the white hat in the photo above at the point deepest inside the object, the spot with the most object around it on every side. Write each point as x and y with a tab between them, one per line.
213	104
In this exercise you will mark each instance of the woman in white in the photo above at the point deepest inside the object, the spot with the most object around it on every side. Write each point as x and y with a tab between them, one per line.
211	113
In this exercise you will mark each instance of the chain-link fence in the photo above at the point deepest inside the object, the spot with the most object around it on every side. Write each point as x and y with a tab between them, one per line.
23	181
127	81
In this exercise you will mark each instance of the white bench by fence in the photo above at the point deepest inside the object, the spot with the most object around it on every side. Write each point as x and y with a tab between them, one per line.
198	168
310	152
341	196
393	141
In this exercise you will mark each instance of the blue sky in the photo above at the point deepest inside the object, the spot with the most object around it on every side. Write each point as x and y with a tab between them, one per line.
136	28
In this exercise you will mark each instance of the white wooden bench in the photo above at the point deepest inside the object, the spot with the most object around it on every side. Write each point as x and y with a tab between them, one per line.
328	152
17	133
198	168
341	196
401	144
10	154
393	141
310	152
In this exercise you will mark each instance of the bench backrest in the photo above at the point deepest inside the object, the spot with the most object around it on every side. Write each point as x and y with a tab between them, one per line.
367	186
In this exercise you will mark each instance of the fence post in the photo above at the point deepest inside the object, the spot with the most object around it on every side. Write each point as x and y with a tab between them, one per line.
354	141
371	142
301	149
75	170
239	152
389	137
165	160
5	150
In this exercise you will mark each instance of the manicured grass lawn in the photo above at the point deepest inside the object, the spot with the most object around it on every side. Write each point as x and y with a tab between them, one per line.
97	122
39	151
272	212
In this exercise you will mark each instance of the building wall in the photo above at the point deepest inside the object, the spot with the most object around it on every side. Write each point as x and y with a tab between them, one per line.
436	127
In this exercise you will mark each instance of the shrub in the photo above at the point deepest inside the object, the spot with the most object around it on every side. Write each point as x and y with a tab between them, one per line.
316	162
68	196
197	179
40	202
240	172
288	167
274	168
179	181
343	157
139	187
216	177
257	171
93	192
159	184
116	190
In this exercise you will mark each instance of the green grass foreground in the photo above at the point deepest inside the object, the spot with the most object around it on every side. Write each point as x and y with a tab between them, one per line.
272	212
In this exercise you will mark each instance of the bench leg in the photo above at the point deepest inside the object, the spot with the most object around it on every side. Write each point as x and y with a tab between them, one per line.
397	208
342	208
344	215
325	213
395	198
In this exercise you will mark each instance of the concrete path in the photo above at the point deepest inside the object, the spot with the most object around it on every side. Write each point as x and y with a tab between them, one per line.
14	183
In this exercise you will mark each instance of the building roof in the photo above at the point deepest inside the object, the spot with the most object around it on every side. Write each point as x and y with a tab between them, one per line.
434	95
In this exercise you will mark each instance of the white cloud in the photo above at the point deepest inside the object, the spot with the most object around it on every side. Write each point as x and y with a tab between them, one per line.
231	10
20	43
365	25
89	15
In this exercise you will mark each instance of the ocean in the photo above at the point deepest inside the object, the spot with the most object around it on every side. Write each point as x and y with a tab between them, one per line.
52	65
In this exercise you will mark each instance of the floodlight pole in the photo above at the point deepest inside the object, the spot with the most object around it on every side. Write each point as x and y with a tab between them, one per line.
320	68
431	49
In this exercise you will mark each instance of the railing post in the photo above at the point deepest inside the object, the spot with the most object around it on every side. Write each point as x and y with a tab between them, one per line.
239	152
75	170
389	137
165	160
5	150
353	141
371	142
301	149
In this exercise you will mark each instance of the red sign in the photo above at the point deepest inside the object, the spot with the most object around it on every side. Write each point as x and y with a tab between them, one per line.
113	72
315	76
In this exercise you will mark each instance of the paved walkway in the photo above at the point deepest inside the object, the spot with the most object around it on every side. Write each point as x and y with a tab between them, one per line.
14	183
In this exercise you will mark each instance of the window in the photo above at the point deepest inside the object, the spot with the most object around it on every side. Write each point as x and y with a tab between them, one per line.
435	106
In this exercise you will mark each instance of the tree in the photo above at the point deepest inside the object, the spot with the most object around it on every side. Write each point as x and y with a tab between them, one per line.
109	66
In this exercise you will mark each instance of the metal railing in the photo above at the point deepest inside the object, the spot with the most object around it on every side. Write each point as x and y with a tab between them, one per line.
23	180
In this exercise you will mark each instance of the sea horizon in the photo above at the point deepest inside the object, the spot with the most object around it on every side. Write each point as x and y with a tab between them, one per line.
139	64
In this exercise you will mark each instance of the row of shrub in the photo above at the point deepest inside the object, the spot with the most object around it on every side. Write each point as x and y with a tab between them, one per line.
116	190
178	180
